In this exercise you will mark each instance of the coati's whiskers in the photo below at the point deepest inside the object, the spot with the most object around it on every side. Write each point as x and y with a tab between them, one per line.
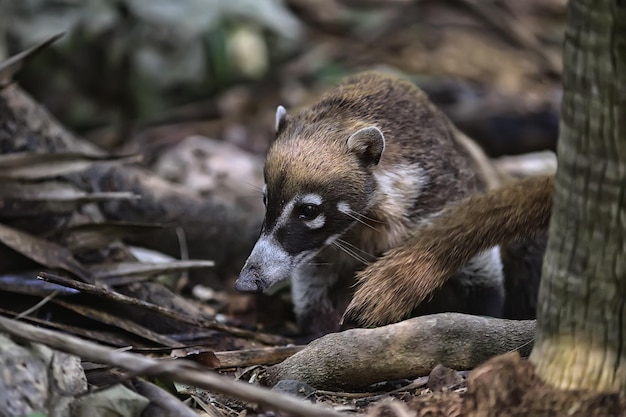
255	189
353	251
363	216
356	249
350	252
354	215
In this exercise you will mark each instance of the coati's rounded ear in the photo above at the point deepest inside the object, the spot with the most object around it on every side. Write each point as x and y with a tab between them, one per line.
281	118
368	143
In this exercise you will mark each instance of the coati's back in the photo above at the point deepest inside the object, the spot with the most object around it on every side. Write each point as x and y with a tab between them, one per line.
349	178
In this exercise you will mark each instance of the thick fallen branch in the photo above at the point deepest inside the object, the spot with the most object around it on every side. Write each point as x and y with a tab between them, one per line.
179	370
359	357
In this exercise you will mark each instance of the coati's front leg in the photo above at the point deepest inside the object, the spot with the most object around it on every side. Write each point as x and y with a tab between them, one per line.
320	292
408	274
317	315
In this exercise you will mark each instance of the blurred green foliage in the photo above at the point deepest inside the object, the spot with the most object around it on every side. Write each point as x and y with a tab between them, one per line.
123	60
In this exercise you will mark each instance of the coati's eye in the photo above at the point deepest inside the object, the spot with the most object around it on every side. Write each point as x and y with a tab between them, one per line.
308	211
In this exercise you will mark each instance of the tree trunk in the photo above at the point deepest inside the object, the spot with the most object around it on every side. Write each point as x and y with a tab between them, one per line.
581	324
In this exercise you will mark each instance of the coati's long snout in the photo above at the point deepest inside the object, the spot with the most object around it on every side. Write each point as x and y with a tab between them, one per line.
267	267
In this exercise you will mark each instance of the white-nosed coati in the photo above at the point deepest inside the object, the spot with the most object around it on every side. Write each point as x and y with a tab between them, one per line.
354	178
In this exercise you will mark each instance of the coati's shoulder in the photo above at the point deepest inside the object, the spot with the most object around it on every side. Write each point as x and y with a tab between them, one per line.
410	273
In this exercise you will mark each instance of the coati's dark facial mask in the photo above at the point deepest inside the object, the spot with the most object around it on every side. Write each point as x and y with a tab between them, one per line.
294	231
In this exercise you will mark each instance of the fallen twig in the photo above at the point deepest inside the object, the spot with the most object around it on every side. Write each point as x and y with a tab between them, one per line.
104	292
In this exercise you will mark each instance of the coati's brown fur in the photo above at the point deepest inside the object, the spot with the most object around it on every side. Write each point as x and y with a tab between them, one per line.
356	176
407	275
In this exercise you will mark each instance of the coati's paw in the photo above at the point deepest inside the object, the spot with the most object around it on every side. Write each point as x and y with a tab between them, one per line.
394	285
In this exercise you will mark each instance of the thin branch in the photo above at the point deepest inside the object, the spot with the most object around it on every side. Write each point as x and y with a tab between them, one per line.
37	306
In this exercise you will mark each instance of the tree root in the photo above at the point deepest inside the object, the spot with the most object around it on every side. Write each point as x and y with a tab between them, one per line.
360	357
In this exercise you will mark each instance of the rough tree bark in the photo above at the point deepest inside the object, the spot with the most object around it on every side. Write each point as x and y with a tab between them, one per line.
581	324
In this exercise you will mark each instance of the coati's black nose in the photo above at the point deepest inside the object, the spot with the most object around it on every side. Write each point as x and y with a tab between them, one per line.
249	281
